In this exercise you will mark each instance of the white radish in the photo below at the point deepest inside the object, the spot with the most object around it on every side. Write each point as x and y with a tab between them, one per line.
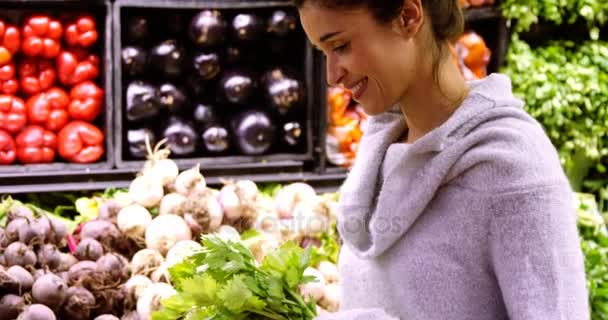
165	170
290	196
329	271
145	262
146	191
228	233
189	180
308	221
182	250
231	204
331	297
316	288
247	189
151	298
133	220
165	231
136	285
215	211
122	198
161	274
171	203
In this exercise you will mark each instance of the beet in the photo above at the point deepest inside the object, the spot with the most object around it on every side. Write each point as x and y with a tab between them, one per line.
20	212
39	273
2	260
109	210
133	315
10	306
103	231
78	304
8	283
36	231
4	241
58	233
12	229
18	254
82	273
64	275
37	312
106	317
113	267
50	290
89	249
67	261
25	279
49	256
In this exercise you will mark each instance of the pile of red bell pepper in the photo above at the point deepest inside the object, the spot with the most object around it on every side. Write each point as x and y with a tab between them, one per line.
49	98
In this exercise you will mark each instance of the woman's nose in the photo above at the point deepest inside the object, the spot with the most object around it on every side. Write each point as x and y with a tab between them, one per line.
335	72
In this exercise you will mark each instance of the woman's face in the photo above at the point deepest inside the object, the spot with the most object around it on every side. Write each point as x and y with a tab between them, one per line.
377	61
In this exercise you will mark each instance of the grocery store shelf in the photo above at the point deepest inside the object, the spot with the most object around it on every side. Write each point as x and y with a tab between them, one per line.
474	14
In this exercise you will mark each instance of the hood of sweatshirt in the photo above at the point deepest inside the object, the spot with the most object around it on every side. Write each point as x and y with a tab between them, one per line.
374	214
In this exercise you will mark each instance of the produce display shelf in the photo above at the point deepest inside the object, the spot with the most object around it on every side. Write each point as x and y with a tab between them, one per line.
482	13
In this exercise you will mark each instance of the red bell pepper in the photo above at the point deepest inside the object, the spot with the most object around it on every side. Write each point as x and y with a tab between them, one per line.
42	37
8	83
80	142
36	75
87	99
76	66
12	113
49	109
82	32
8	150
36	145
10	41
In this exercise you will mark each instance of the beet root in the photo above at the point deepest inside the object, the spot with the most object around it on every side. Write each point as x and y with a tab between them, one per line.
18	254
89	249
37	312
49	256
25	279
50	290
10	306
78	304
8	283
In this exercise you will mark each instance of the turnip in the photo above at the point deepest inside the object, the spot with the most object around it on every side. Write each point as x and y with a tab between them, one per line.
18	254
158	165
89	249
171	203
67	260
151	298
145	262
203	213
10	306
182	250
49	256
133	221
228	233
113	267
8	283
37	312
25	279
78	304
161	274
83	273
190	182
12	228
164	231
106	317
20	211
108	210
135	286
311	218
316	288
50	290
290	196
331	297
329	271
146	191
230	202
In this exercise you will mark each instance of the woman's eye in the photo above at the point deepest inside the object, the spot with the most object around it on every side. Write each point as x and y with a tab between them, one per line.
342	48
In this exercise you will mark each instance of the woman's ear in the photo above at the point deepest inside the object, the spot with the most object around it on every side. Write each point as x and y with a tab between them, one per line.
411	18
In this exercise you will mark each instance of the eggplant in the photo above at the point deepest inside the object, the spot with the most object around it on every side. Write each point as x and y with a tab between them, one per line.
136	141
253	132
142	101
216	139
176	24
241	54
207	65
181	137
173	98
281	23
208	28
237	87
134	61
197	86
283	92
138	29
169	58
204	115
247	27
292	133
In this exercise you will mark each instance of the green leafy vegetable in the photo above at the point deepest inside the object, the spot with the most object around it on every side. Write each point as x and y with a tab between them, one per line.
223	281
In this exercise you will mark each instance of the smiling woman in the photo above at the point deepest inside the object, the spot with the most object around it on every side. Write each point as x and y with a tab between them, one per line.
457	206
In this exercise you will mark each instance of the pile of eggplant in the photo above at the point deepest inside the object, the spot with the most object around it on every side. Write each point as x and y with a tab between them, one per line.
213	82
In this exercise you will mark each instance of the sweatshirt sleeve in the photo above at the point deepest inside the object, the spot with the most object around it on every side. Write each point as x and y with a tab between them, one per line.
357	314
536	255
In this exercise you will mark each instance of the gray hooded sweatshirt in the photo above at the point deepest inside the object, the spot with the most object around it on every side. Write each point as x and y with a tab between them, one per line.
473	221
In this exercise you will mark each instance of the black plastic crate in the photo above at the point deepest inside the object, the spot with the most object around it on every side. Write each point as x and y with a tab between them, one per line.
12	11
304	65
